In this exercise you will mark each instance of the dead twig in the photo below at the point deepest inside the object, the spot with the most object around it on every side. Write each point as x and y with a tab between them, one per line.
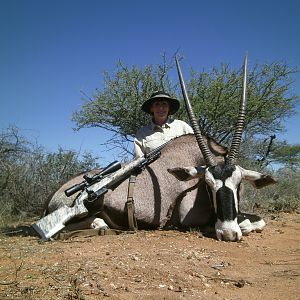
15	281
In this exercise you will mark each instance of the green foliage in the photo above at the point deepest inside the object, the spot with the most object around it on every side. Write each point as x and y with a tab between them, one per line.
29	174
282	196
286	195
288	155
215	97
117	107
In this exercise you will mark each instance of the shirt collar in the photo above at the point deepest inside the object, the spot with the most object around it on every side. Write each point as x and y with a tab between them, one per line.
166	125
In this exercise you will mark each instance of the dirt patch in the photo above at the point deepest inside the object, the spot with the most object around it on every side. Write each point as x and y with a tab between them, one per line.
155	265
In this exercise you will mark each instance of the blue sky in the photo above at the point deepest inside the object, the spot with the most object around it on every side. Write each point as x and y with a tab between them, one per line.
51	50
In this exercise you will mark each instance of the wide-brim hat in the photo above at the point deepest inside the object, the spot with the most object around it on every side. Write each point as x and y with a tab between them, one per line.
157	96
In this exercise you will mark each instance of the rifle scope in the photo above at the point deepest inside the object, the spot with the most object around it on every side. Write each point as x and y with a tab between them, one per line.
112	167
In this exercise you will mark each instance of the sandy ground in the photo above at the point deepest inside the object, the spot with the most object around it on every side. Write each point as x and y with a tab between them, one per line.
155	265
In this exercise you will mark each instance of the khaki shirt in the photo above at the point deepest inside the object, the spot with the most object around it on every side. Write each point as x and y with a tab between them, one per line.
151	136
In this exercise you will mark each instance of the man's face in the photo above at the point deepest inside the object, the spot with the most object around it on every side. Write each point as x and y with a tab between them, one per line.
160	110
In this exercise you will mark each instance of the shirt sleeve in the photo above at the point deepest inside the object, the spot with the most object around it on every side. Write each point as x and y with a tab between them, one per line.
189	129
186	128
138	148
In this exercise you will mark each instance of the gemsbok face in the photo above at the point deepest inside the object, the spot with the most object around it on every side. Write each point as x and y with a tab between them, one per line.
223	183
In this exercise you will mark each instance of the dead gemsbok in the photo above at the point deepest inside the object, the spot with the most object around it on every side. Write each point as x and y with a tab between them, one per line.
208	189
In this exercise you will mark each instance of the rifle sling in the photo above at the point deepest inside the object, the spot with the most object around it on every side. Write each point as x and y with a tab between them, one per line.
132	223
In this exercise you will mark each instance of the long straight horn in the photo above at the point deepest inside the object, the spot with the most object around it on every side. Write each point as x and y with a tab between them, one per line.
237	137
202	145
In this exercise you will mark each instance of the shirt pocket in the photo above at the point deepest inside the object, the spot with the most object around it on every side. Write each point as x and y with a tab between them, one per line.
153	141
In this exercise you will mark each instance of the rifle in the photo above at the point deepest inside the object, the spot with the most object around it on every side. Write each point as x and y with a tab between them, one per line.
88	181
91	189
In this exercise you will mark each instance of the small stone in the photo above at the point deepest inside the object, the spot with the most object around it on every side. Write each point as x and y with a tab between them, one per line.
240	283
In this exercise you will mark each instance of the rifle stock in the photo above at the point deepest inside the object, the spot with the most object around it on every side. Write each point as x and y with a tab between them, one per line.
55	222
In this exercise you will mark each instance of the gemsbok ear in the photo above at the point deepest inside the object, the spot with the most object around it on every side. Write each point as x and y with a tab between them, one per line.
188	173
258	180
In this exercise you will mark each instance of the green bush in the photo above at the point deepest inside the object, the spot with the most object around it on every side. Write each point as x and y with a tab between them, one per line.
29	174
282	196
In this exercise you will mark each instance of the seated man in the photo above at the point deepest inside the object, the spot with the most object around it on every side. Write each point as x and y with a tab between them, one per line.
162	129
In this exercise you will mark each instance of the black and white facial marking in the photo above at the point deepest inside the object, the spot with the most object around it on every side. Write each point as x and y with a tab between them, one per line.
223	187
224	182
